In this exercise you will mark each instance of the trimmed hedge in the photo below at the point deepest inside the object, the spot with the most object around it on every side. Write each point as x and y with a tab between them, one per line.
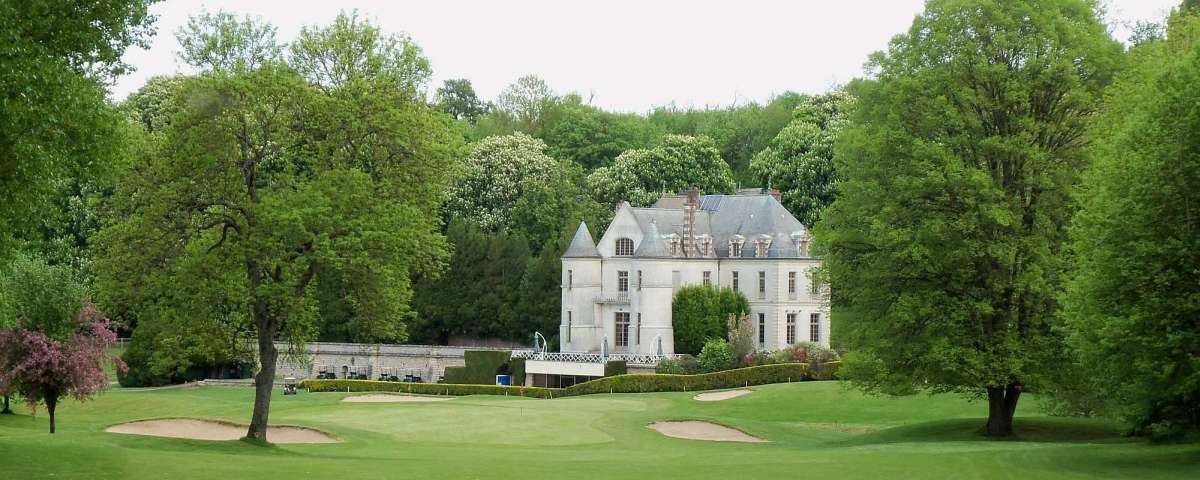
482	366
654	382
516	368
340	385
455	375
615	367
631	383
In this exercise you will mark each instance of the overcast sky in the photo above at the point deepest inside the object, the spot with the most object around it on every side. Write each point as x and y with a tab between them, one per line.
627	55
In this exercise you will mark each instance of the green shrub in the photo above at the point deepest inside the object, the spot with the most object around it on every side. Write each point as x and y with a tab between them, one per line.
652	382
716	356
681	365
516	368
700	312
615	367
482	366
340	385
456	375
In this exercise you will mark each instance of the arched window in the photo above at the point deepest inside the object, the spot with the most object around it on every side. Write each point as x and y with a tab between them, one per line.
624	247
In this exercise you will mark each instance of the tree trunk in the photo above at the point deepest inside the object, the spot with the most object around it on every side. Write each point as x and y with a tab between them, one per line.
51	402
264	380
1002	404
6	409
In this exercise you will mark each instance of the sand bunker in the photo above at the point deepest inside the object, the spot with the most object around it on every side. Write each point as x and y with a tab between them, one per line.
718	396
384	398
196	429
695	430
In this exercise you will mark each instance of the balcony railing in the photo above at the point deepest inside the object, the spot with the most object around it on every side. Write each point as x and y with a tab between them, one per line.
620	298
636	359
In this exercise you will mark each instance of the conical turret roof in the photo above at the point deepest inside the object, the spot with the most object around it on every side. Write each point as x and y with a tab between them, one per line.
652	243
582	246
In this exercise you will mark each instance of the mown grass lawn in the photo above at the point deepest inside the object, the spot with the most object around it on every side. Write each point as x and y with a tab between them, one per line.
816	430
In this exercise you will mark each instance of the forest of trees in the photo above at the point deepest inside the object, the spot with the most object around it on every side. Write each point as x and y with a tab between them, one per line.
1005	201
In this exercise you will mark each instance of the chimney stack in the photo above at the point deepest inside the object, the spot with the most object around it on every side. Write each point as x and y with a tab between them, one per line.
689	232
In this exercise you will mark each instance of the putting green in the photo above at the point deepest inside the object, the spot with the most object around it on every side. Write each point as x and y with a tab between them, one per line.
815	429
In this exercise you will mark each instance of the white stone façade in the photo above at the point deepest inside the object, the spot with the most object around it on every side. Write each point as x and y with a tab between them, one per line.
620	289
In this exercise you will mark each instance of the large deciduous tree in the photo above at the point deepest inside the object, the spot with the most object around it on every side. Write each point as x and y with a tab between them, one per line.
1132	302
56	124
457	98
799	160
945	244
274	176
679	162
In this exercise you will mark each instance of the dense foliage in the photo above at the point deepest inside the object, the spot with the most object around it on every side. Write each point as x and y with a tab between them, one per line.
53	341
799	161
1132	303
700	313
679	162
274	174
945	243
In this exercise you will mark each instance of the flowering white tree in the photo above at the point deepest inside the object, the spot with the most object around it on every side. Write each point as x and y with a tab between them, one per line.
641	176
498	173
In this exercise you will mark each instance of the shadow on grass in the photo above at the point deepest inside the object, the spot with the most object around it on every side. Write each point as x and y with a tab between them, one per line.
1035	429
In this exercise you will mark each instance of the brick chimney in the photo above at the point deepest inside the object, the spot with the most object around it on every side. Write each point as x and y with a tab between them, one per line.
689	229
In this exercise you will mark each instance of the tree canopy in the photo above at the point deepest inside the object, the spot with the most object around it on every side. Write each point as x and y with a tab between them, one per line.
944	245
701	313
799	161
272	175
1133	299
677	163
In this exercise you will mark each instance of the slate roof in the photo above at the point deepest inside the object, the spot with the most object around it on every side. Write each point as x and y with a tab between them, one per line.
724	216
652	245
582	246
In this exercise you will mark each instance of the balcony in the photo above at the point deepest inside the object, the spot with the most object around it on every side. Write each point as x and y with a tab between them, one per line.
635	359
620	298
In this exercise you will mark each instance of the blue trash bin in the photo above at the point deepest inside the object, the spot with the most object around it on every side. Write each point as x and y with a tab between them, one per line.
503	380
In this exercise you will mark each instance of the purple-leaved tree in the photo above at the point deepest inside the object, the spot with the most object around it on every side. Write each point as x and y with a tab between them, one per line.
44	370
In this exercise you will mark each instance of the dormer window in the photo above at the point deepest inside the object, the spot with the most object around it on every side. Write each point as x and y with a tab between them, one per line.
672	244
735	246
801	240
624	247
761	246
705	242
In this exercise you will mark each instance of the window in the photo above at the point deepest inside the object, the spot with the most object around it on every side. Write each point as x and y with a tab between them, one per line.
622	326
569	326
762	329
762	285
707	279
735	248
570	278
760	249
624	247
814	328
735	280
791	328
622	283
639	280
638	338
791	285
705	245
673	244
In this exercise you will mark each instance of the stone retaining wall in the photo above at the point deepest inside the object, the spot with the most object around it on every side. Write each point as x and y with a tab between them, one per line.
427	361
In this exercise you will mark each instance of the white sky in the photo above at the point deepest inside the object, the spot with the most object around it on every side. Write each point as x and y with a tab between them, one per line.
628	55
